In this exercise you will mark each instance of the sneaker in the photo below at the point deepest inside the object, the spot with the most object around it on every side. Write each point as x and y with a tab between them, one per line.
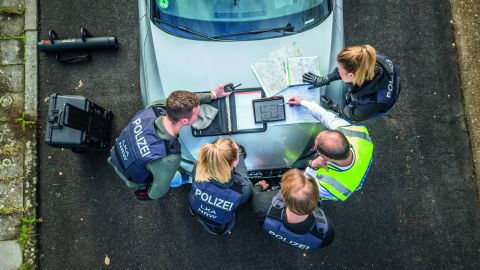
180	178
142	193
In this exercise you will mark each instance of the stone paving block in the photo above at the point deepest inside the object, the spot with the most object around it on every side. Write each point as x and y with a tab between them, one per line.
11	52
11	193
11	25
7	134
12	3
12	78
11	255
11	161
9	227
11	105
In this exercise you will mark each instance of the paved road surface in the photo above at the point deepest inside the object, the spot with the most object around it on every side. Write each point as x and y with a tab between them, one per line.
418	209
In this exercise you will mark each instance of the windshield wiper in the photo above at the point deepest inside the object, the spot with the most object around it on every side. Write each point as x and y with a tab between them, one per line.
286	30
184	29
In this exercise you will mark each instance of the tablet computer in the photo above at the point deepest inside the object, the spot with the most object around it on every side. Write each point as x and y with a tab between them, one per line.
269	109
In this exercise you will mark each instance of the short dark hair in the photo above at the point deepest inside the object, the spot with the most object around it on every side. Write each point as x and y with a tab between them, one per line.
300	193
180	104
333	144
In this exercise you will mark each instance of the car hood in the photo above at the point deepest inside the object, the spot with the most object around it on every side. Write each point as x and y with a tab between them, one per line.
199	66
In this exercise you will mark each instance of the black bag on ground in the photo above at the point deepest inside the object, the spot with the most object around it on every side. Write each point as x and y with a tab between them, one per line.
76	123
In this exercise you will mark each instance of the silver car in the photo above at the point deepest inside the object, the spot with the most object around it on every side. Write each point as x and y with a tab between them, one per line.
197	44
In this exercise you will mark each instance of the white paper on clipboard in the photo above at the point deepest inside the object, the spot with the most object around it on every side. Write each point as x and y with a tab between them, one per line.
244	109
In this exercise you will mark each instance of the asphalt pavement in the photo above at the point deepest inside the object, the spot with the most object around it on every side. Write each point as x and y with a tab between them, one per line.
418	208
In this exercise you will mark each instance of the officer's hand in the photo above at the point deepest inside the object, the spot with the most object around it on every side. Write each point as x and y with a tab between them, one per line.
264	184
328	104
317	81
219	92
318	162
295	101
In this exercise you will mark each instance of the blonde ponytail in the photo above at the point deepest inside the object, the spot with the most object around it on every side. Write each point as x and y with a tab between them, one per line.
359	60
215	160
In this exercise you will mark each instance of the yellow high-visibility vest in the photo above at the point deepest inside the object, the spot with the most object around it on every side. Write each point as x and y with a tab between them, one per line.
341	184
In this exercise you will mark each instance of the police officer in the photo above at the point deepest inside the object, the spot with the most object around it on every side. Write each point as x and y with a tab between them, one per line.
292	215
146	155
220	185
373	83
344	154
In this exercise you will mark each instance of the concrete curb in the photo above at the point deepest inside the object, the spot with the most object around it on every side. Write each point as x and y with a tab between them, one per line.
466	20
30	108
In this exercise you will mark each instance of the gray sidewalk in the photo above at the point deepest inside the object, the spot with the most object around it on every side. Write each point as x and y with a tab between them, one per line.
18	113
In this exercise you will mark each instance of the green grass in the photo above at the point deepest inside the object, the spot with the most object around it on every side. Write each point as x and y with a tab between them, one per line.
23	121
23	38
26	231
10	210
25	238
12	10
10	149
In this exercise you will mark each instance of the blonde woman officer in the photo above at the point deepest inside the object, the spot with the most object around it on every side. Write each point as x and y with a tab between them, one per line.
220	185
373	83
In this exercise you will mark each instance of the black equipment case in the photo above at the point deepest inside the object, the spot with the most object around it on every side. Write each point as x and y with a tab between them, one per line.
77	123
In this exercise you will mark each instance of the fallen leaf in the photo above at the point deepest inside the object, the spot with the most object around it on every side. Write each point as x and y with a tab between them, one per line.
60	173
107	260
80	84
46	99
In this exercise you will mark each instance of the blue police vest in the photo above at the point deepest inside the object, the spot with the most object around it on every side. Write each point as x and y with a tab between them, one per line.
139	144
214	206
387	93
274	226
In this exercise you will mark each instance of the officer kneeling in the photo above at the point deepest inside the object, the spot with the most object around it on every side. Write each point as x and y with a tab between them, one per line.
220	185
292	215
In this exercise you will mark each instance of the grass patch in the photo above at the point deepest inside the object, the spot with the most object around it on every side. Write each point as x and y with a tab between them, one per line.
10	149
27	231
13	10
23	38
24	121
9	179
26	239
10	210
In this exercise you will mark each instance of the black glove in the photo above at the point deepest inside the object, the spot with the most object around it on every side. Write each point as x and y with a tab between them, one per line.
317	81
142	193
328	104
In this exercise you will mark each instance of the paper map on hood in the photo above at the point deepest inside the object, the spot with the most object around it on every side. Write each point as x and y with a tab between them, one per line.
270	70
295	67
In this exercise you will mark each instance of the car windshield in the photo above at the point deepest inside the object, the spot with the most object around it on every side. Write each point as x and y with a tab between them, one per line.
238	19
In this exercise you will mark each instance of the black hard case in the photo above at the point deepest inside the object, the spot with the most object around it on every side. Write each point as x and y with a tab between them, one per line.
77	123
219	125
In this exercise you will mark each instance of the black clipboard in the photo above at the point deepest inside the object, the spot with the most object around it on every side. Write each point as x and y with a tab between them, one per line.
269	109
225	123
